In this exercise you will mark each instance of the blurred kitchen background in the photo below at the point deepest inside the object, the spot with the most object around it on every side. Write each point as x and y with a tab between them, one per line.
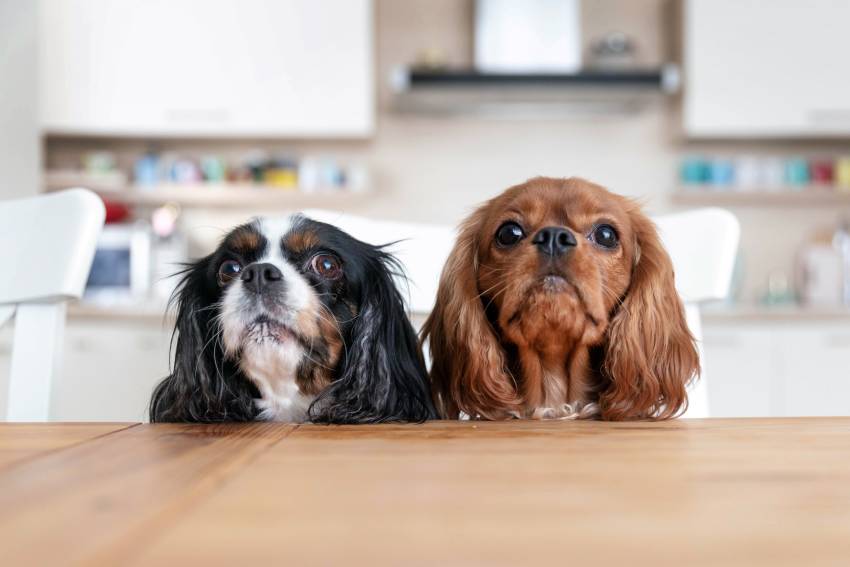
188	117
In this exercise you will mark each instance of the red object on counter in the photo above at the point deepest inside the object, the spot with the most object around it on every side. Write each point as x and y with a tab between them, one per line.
115	212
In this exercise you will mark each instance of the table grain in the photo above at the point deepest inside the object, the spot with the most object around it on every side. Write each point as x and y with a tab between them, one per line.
20	441
684	492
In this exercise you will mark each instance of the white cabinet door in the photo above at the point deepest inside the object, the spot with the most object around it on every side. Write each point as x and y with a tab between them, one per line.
817	366
285	68
109	370
6	336
740	371
784	368
767	68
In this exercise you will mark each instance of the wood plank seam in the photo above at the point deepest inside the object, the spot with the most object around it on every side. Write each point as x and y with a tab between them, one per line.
24	460
692	492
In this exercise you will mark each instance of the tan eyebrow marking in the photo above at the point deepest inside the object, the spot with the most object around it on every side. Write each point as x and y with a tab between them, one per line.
301	240
245	240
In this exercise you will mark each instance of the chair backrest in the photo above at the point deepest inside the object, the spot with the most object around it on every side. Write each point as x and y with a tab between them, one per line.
702	244
51	243
421	248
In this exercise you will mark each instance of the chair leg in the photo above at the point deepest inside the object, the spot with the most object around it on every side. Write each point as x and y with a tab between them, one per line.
36	358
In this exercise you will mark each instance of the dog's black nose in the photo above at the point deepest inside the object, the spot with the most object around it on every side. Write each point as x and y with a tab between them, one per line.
255	277
554	240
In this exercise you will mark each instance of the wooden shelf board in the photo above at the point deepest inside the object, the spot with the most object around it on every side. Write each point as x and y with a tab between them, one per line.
209	195
808	197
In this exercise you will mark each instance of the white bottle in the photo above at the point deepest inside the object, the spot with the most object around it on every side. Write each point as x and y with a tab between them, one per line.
841	241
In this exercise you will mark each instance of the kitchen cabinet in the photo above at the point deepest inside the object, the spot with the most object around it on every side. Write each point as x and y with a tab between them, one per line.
109	368
7	333
278	68
739	384
766	69
820	366
758	368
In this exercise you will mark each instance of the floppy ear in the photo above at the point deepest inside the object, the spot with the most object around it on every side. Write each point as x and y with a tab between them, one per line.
469	371
382	376
649	353
203	386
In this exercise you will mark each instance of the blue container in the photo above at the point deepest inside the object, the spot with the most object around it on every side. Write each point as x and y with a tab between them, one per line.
694	171
721	173
146	170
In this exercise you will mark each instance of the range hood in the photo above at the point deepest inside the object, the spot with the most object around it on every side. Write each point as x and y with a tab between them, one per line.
528	62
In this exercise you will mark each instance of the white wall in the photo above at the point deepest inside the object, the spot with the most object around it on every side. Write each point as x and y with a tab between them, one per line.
20	154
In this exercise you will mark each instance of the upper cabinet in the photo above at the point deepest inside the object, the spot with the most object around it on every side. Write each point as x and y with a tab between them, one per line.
757	68
275	68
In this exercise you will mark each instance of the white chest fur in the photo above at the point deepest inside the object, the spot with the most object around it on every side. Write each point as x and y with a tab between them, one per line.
272	368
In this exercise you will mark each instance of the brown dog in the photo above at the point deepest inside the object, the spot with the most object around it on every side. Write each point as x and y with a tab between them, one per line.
558	301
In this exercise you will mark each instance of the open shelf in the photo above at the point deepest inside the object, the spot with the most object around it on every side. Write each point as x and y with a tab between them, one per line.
248	196
807	197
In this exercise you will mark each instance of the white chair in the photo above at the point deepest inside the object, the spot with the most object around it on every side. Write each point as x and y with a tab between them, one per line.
48	246
421	248
702	244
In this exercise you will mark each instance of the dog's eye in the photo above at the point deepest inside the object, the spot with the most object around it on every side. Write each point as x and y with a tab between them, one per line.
509	234
605	235
327	266
228	270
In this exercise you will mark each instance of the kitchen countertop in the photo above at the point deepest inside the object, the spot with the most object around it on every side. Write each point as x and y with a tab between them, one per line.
685	492
741	313
133	312
757	314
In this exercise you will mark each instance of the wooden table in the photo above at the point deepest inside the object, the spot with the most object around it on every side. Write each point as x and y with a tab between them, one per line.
701	492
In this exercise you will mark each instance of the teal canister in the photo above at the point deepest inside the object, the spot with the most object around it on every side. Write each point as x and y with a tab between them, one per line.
797	172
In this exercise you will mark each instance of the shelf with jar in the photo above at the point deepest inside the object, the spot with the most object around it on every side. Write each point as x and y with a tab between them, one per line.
770	181
258	181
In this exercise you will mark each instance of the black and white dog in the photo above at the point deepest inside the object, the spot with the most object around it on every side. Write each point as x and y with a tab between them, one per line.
293	320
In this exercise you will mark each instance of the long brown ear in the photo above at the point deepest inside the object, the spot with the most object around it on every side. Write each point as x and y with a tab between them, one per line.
650	355
469	372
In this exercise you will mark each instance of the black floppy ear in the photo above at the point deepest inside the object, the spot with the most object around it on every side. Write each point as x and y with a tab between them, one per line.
382	376
202	386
